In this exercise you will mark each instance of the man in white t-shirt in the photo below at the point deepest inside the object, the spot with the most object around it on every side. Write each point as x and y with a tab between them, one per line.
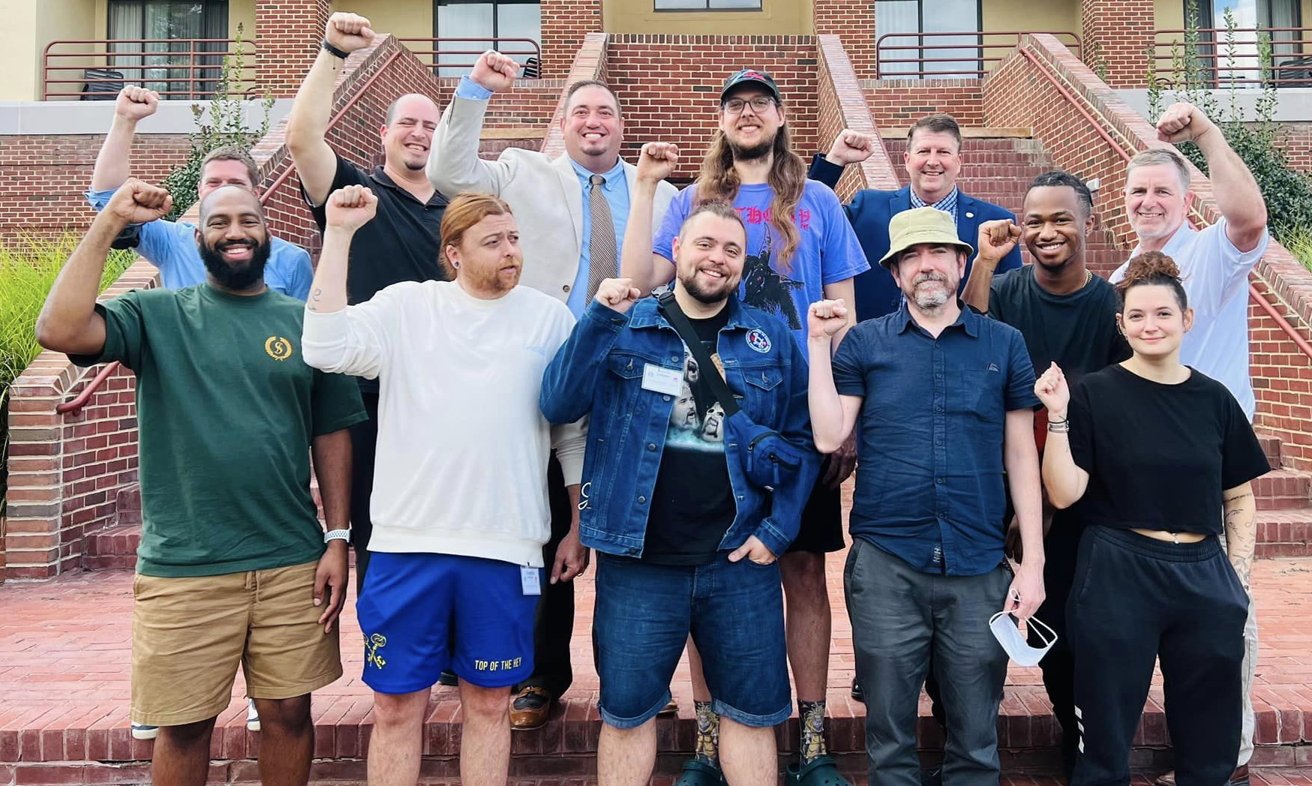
459	500
1214	265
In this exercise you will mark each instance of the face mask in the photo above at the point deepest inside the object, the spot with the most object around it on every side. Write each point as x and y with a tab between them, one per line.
1018	649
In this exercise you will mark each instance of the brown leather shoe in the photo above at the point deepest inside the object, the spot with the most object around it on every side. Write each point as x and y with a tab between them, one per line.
671	708
530	708
1238	778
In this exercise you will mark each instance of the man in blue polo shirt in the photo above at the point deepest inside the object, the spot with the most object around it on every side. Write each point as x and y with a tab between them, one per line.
942	399
171	246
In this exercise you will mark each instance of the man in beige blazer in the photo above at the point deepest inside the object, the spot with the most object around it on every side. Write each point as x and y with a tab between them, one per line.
557	203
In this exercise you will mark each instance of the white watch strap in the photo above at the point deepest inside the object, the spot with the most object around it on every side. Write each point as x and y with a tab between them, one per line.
337	534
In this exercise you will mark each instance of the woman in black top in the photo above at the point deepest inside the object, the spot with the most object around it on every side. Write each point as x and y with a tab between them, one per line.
1159	459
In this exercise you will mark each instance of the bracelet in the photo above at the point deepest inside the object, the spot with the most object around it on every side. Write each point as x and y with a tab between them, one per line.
334	51
1063	420
1059	426
337	534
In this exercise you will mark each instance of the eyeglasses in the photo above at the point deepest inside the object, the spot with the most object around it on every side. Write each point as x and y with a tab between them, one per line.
735	106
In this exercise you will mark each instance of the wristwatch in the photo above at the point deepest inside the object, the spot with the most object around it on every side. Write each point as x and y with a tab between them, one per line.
337	534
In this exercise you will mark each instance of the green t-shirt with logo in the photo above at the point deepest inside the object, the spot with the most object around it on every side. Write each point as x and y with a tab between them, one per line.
227	411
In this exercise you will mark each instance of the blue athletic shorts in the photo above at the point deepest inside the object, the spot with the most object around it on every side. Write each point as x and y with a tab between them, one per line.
415	607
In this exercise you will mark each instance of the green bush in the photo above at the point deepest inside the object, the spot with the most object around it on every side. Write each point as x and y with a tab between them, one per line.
1299	242
27	271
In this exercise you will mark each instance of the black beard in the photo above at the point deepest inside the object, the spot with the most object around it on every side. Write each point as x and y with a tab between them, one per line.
741	153
236	279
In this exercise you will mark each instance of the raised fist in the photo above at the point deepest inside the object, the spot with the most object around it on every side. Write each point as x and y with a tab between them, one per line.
350	208
1051	389
136	103
618	294
825	318
138	202
656	161
1183	122
850	147
348	32
996	239
494	71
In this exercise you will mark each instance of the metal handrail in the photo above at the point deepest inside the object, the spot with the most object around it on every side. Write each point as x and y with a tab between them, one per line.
441	47
82	398
988	49
101	73
1197	217
1291	64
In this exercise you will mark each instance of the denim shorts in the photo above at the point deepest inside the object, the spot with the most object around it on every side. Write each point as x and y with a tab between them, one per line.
423	613
734	611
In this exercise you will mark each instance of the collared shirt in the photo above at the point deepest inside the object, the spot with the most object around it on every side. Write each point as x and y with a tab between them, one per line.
929	486
171	247
947	204
1215	277
616	191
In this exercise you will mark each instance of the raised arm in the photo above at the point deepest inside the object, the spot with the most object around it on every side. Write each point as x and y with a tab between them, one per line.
1062	477
454	165
832	416
1233	186
68	322
996	240
574	374
656	161
114	161
307	124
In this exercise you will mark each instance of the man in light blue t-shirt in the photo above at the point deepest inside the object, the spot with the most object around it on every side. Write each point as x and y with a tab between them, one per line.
171	246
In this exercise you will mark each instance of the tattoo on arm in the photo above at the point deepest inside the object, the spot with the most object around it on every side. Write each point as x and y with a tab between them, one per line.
1239	496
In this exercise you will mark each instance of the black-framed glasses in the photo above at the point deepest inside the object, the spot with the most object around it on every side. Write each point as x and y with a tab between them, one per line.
735	106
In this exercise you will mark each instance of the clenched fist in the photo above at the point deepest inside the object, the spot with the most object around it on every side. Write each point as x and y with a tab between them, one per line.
996	240
657	161
136	103
494	71
348	32
1052	390
350	208
1183	122
850	147
618	294
138	202
825	318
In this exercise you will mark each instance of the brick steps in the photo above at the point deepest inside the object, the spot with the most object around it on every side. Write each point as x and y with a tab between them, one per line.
1283	489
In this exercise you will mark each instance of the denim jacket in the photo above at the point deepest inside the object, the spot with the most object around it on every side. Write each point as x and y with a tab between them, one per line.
599	372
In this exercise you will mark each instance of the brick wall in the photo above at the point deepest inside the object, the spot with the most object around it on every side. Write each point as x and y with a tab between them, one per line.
65	470
1018	95
665	77
853	21
841	104
1117	36
42	178
565	23
287	37
1295	139
897	103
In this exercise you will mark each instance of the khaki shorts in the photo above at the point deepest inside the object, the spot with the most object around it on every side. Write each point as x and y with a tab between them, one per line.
189	635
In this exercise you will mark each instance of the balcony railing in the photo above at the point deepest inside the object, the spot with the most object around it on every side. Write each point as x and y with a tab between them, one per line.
178	68
453	57
949	55
1220	60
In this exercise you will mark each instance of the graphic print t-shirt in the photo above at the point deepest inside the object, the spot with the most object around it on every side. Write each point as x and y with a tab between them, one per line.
827	251
692	506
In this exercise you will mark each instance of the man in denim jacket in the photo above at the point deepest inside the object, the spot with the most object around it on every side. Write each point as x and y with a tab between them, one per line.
686	543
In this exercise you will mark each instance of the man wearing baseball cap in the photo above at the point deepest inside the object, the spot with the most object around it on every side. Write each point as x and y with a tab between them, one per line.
942	399
800	248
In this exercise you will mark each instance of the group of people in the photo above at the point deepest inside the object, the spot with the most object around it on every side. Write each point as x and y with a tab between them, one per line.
559	356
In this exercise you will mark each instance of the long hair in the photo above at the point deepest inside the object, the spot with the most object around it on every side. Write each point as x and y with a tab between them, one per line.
462	213
718	182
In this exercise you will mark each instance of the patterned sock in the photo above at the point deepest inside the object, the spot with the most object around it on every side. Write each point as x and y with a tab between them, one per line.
707	747
811	720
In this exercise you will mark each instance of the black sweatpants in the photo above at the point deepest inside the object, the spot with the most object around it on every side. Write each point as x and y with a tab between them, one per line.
554	625
1136	600
1060	549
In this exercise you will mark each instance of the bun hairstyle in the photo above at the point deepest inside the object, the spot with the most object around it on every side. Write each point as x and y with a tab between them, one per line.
1153	268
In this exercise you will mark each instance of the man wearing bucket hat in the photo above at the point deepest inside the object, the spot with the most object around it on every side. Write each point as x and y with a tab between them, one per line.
942	400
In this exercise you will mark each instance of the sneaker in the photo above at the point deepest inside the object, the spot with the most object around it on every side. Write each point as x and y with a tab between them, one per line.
252	716
857	693
142	731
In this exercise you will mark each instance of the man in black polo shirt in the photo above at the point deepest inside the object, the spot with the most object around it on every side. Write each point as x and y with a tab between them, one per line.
400	244
1066	315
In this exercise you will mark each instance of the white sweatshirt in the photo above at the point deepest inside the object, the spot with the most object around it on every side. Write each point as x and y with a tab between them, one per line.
461	464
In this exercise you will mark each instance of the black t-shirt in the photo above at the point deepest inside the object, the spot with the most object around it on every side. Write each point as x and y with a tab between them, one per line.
1077	331
1159	456
401	243
692	506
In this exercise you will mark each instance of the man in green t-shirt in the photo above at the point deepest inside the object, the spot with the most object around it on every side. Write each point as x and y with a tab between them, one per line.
233	566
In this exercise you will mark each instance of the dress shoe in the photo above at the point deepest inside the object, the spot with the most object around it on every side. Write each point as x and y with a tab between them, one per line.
530	708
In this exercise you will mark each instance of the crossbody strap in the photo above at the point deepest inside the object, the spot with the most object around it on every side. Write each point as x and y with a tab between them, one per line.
670	308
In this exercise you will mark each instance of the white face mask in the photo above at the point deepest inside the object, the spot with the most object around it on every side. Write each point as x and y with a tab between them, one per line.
1018	649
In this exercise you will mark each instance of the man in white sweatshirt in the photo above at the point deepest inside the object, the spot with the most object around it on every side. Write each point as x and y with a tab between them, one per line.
460	501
